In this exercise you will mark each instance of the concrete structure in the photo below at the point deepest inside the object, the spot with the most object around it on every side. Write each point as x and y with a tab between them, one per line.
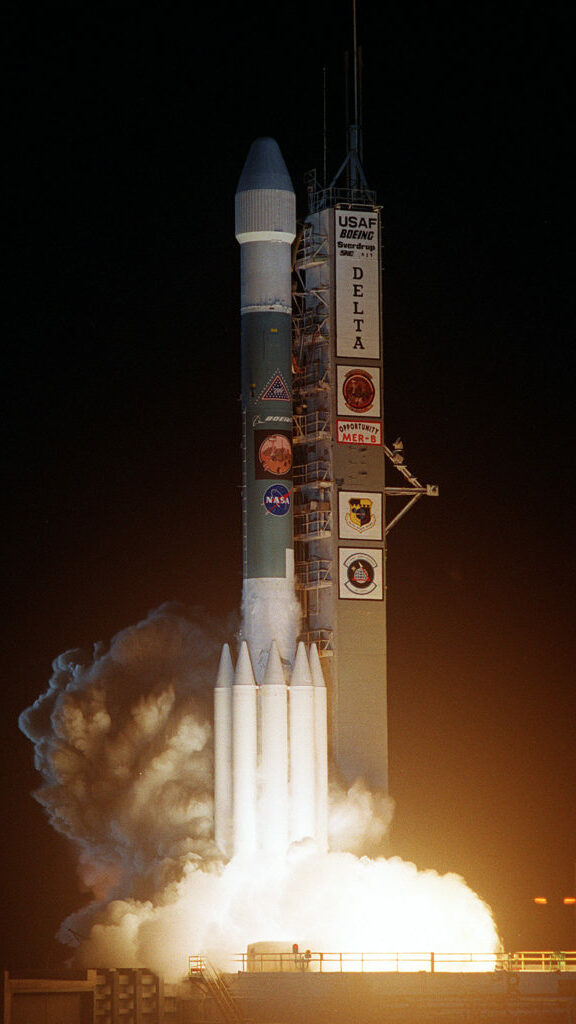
130	996
138	996
496	997
340	491
339	482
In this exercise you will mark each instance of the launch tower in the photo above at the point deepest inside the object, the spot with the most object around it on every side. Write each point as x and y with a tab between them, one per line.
340	523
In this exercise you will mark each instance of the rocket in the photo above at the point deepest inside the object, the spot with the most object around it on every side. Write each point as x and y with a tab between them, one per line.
270	721
265	208
270	754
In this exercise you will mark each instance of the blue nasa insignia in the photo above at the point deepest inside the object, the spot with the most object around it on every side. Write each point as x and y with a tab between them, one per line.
277	500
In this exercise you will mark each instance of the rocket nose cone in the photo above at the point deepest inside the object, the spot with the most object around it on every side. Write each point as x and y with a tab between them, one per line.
264	168
316	667
301	675
225	675
274	675
244	675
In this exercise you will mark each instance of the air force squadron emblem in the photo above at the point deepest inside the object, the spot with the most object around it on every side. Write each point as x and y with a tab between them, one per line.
361	574
360	516
360	568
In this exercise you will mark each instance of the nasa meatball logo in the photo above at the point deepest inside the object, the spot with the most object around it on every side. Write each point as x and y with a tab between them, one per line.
358	390
360	572
277	500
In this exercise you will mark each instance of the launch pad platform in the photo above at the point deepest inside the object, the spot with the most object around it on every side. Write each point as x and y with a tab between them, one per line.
138	996
388	997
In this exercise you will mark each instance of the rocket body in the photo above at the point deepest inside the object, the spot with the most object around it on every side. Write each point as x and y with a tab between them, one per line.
274	757
270	771
244	765
302	750
265	228
223	753
320	748
269	740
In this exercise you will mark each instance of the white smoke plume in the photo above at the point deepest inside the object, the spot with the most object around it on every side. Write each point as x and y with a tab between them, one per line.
270	609
123	741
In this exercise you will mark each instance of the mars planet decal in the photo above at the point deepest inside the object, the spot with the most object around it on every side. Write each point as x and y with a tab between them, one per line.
274	454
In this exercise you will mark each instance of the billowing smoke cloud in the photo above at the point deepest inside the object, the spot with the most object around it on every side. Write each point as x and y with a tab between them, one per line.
123	741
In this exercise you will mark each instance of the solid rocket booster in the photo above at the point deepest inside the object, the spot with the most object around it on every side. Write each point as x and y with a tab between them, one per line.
320	748
302	749
270	765
274	756
265	229
244	757
223	753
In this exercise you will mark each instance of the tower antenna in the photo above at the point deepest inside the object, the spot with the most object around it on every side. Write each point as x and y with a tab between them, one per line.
352	162
325	128
355	44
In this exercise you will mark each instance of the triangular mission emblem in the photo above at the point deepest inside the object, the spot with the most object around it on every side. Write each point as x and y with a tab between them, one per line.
276	390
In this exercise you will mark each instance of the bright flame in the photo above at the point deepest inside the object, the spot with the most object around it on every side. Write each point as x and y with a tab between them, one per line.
124	743
327	902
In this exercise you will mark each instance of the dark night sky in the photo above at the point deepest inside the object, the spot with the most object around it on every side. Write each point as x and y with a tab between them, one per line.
128	129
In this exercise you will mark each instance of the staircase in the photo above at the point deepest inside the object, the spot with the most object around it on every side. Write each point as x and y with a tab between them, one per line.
202	971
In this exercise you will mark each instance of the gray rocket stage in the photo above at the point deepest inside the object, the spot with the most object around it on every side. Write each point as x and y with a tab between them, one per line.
265	229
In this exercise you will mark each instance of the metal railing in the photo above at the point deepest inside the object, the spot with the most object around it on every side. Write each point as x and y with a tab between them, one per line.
432	962
323	638
311	427
201	970
312	377
317	473
310	322
314	574
312	249
327	197
538	960
312	525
